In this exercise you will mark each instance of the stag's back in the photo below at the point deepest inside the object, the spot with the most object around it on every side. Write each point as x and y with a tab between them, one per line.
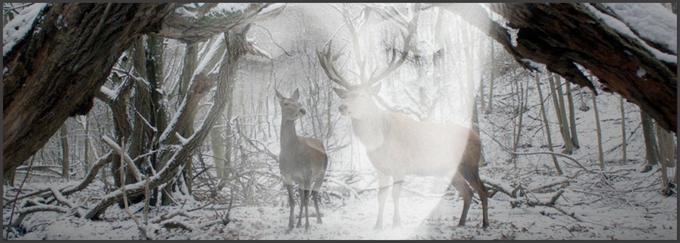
422	148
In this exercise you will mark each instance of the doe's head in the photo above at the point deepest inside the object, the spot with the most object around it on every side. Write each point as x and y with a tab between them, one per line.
291	108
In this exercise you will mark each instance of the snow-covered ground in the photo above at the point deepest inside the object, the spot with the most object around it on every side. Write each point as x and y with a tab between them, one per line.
631	208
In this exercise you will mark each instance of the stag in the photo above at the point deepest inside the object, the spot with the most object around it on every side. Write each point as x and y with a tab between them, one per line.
398	145
302	160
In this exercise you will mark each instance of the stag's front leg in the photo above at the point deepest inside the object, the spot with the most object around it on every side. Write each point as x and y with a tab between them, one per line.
291	204
383	185
396	191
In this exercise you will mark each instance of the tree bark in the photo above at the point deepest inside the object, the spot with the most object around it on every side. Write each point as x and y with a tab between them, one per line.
54	72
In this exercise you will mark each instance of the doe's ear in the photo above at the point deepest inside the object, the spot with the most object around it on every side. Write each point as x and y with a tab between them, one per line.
279	95
340	92
296	94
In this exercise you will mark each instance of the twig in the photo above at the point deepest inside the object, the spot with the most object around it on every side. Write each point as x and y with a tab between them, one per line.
14	204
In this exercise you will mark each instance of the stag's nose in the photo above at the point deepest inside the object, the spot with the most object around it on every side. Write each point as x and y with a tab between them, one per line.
303	111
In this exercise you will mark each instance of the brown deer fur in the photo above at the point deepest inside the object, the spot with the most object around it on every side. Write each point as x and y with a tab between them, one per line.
302	160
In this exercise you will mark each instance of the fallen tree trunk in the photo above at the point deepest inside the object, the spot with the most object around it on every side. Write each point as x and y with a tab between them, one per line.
562	36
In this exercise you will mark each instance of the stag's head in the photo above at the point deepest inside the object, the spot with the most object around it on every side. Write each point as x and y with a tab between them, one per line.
357	101
357	92
291	108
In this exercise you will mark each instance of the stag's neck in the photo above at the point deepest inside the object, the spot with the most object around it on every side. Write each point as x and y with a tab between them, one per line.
288	134
372	130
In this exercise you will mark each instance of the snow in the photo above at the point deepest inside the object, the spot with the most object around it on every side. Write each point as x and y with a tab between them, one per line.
538	66
225	8
623	29
16	29
652	21
212	51
641	72
272	7
185	13
112	95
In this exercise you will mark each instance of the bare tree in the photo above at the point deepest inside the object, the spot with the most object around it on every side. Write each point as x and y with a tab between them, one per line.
546	125
572	116
65	160
600	152
651	156
556	93
624	143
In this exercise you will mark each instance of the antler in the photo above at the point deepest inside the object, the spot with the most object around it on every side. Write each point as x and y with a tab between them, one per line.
327	61
327	58
397	60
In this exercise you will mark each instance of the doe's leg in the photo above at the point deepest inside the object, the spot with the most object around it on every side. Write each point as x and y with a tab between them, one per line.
291	204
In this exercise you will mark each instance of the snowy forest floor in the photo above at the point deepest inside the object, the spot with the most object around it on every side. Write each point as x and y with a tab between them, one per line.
624	205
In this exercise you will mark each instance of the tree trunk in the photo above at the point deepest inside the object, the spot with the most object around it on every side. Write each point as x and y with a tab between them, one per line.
651	154
624	144
666	154
190	62
475	127
572	116
546	125
600	153
54	72
559	112
65	161
201	85
489	105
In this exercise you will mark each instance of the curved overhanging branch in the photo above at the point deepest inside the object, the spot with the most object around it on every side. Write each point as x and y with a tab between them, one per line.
563	35
199	24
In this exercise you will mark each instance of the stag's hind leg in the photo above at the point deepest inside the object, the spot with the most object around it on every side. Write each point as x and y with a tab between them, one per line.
465	192
480	189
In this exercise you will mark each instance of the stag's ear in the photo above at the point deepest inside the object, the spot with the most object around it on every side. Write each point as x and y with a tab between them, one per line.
279	95
375	88
296	94
340	92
